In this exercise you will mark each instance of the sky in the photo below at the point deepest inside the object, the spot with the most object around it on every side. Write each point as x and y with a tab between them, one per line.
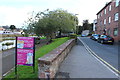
16	12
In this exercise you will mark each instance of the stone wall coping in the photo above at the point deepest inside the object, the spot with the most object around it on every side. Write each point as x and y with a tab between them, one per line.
51	56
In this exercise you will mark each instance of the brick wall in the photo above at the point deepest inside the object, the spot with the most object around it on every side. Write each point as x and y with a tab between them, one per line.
109	26
48	65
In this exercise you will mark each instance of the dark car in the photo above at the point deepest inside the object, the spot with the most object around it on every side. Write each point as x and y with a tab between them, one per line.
105	39
95	36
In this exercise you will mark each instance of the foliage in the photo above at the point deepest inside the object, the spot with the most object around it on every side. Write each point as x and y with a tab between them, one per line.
9	39
26	71
80	29
43	37
48	23
12	27
11	35
86	26
7	44
73	35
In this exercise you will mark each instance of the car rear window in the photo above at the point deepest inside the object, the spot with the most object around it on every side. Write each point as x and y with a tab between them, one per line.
105	36
96	35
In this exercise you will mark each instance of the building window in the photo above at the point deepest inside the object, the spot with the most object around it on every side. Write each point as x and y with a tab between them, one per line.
109	32
116	16
117	3
98	16
105	11
110	8
109	20
115	31
104	21
101	13
100	23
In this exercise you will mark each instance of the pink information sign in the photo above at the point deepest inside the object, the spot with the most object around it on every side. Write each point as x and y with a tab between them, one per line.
25	51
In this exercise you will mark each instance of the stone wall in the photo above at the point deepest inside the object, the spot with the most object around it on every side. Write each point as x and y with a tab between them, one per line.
48	65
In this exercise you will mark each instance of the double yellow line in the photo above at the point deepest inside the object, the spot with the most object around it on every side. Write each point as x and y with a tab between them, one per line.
110	66
93	53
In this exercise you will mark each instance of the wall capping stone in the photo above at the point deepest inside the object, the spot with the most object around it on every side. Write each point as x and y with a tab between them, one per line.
48	65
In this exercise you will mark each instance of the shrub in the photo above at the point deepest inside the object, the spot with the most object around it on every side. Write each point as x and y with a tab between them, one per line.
73	35
9	39
7	44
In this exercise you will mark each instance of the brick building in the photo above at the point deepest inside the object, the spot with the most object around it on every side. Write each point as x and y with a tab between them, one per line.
108	20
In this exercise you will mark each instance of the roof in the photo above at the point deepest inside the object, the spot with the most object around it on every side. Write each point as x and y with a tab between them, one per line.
104	7
1	29
6	27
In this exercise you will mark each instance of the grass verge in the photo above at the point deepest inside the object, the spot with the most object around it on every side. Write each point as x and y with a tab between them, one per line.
27	71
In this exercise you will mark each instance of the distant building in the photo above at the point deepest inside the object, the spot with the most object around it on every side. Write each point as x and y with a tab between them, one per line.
108	20
7	30
2	29
94	25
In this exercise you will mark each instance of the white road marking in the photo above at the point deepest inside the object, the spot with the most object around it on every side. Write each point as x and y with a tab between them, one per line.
107	65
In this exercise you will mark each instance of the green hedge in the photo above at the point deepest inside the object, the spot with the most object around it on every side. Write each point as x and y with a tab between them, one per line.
73	35
7	44
9	39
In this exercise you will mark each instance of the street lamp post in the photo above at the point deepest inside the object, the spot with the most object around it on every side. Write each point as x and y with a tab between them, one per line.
76	23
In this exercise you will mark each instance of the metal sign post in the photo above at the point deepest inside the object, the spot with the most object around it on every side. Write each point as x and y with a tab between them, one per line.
34	57
16	59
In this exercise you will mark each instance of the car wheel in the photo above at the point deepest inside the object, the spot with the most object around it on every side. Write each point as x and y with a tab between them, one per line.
98	41
111	43
102	41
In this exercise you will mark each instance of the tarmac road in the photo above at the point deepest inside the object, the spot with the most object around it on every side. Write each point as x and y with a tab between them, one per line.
80	64
107	52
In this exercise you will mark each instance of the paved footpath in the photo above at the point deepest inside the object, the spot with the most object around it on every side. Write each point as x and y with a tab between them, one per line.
81	64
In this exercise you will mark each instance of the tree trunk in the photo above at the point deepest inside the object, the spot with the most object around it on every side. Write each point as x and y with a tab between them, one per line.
60	33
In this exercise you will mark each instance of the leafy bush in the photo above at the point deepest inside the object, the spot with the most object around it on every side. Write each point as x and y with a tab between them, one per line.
9	39
7	44
73	35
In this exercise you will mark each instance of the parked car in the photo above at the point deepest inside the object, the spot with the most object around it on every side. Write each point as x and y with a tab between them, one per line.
91	37
95	36
105	39
83	35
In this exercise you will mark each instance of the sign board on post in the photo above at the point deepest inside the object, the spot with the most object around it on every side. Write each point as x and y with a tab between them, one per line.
25	51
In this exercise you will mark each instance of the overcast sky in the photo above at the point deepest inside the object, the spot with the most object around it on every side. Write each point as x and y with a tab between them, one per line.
15	12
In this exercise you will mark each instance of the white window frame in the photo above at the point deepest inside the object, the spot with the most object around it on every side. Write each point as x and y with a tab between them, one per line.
116	3
109	20
105	11
104	21
110	8
116	16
